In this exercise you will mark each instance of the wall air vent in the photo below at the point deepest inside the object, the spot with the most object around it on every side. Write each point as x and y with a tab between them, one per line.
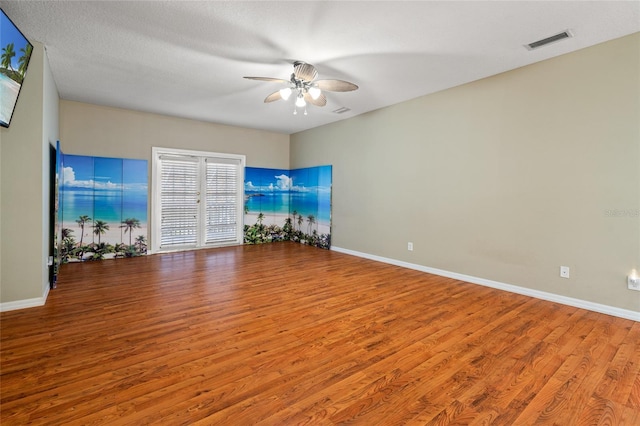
549	40
341	110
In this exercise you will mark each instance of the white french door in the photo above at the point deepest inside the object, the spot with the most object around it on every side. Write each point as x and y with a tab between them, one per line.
198	199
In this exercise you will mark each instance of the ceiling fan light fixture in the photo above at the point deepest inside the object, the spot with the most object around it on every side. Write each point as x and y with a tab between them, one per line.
305	88
285	93
314	92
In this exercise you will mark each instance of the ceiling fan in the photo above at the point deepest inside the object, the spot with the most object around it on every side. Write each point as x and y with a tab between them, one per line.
306	88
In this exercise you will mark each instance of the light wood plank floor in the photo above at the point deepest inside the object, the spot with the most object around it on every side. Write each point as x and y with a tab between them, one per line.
284	334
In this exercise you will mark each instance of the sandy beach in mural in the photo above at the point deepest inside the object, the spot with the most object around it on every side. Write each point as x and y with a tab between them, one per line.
278	219
114	235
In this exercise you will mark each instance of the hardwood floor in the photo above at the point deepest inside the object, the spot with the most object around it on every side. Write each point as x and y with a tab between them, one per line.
283	334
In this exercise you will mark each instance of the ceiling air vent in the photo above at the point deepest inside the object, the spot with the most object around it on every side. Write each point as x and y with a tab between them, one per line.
549	40
341	110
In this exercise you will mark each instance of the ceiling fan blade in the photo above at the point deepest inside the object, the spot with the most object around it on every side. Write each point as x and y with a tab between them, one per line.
336	85
304	71
276	80
321	101
273	97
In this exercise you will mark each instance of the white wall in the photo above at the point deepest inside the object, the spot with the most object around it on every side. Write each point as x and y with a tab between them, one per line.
504	179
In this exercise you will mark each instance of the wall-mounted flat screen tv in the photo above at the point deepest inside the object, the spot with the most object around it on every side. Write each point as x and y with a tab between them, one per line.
15	54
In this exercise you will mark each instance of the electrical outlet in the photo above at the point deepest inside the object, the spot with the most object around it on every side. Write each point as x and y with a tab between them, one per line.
633	283
564	271
410	246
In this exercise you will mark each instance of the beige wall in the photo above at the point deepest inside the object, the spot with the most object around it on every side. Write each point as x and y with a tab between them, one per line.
24	183
87	129
504	179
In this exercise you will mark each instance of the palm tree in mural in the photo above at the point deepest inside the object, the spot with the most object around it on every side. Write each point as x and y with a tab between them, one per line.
81	221
100	227
260	218
24	59
100	249
66	233
7	54
287	229
295	214
300	222
129	224
120	249
311	219
141	244
68	244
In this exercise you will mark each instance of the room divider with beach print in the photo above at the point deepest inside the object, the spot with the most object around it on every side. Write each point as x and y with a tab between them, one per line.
102	205
290	205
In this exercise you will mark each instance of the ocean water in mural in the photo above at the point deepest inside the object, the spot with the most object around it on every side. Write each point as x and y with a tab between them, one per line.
288	204
267	191
104	207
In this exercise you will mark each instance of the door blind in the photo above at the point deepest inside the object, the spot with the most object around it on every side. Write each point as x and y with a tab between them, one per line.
179	199
222	215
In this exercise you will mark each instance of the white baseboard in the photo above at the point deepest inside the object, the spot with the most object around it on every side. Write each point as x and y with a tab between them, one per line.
25	303
570	301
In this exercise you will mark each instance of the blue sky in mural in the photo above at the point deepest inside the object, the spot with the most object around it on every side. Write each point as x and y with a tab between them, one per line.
102	174
264	180
300	180
311	179
277	191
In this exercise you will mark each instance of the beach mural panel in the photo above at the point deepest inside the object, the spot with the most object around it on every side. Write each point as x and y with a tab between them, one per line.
290	205
103	203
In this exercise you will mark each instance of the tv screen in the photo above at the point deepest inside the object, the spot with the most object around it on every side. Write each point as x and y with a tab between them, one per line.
14	59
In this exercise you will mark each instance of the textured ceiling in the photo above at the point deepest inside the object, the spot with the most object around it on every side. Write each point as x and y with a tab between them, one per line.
187	59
